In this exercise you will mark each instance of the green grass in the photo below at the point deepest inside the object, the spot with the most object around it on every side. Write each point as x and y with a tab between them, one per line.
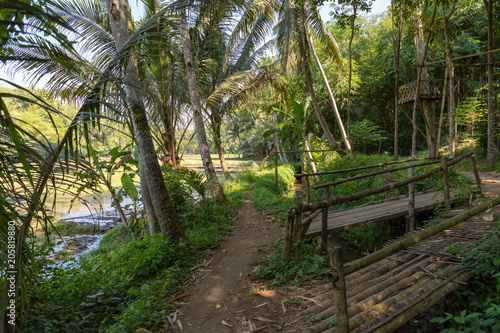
123	284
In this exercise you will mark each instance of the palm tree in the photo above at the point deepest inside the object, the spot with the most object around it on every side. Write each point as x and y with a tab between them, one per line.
197	108
121	27
295	19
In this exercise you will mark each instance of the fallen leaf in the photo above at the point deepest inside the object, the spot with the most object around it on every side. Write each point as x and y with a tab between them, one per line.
226	324
217	306
179	324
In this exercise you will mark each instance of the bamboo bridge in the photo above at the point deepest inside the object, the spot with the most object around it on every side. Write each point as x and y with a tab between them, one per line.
386	289
386	294
432	90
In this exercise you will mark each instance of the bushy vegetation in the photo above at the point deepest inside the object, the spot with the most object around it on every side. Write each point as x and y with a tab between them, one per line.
477	308
279	272
125	282
268	197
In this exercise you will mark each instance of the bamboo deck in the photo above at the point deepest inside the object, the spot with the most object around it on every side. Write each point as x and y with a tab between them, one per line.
358	216
385	295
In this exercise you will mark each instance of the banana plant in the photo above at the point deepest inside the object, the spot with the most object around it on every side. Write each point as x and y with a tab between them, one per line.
298	112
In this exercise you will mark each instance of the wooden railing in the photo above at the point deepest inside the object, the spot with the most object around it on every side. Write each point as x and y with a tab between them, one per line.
429	89
299	218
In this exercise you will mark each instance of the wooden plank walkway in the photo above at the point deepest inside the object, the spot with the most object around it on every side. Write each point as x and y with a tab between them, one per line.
358	216
385	295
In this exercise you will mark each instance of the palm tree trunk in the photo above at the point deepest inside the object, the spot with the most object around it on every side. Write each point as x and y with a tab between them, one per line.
216	123
490	151
309	84
169	138
451	71
196	107
330	94
309	154
121	28
146	199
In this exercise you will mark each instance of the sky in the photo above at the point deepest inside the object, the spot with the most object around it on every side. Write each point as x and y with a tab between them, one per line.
136	7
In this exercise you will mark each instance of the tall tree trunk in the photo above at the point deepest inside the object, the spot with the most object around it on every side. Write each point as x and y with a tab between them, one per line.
216	123
146	199
397	51
309	84
451	72
490	152
121	28
309	154
354	10
169	138
196	107
327	85
427	110
421	54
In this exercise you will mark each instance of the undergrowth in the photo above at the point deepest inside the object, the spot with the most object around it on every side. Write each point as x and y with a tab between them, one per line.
476	308
124	284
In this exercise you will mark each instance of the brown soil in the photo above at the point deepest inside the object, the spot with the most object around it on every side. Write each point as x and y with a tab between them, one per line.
223	297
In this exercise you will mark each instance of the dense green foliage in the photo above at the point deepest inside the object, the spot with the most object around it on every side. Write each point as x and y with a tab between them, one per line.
124	283
476	308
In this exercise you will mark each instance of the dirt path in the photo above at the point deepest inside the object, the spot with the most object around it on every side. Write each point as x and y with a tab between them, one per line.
223	298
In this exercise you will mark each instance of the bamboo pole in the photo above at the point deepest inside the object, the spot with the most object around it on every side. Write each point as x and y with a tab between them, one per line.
446	183
422	304
324	221
287	244
308	191
386	181
476	173
360	168
418	237
339	288
378	293
368	192
375	173
276	166
298	235
441	117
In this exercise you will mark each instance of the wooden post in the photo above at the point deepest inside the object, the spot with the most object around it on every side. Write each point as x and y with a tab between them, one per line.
287	245
276	166
298	233
386	181
411	202
446	183
307	190
303	158
339	288
324	221
476	173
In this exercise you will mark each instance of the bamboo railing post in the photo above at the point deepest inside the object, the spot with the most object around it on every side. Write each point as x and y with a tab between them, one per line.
446	183
276	166
339	288
298	233
476	173
411	201
287	245
307	190
386	181
324	221
303	161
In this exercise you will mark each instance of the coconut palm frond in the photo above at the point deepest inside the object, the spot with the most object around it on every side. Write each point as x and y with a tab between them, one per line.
323	34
